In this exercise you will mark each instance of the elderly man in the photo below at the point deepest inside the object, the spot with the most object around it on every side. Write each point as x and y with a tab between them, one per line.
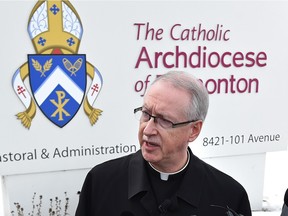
164	177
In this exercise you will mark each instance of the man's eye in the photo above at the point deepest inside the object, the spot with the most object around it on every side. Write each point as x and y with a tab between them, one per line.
164	122
145	115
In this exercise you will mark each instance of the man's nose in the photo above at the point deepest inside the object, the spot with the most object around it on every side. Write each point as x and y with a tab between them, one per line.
151	126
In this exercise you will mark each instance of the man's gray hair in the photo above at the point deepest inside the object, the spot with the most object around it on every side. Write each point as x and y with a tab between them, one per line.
198	93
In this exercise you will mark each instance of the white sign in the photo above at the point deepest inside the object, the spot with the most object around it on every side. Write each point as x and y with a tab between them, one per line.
238	50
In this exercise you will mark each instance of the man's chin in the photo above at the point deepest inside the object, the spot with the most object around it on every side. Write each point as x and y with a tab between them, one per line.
149	156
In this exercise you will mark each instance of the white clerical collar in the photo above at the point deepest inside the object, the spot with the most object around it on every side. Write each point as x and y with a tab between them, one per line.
164	176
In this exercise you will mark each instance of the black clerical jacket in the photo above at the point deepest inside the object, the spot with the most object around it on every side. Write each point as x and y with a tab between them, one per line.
121	187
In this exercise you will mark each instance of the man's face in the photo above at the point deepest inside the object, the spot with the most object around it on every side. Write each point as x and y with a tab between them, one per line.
166	148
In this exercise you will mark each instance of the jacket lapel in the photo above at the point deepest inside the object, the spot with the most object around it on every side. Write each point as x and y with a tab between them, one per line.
149	203
192	183
138	182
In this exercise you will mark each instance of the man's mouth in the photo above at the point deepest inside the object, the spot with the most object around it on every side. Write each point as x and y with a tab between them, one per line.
151	144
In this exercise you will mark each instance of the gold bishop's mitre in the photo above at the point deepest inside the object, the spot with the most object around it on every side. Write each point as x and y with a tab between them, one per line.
55	27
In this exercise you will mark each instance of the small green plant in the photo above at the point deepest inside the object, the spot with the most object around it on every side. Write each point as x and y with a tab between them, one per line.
55	208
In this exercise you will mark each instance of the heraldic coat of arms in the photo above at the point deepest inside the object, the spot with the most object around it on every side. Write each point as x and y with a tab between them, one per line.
57	73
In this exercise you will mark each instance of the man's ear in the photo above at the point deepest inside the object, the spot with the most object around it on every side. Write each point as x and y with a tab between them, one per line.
195	130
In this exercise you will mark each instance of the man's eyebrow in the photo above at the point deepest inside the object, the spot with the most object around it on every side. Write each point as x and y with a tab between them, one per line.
162	114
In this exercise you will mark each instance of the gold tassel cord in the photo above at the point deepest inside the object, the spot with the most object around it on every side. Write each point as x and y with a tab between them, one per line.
25	119
92	113
27	116
93	117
